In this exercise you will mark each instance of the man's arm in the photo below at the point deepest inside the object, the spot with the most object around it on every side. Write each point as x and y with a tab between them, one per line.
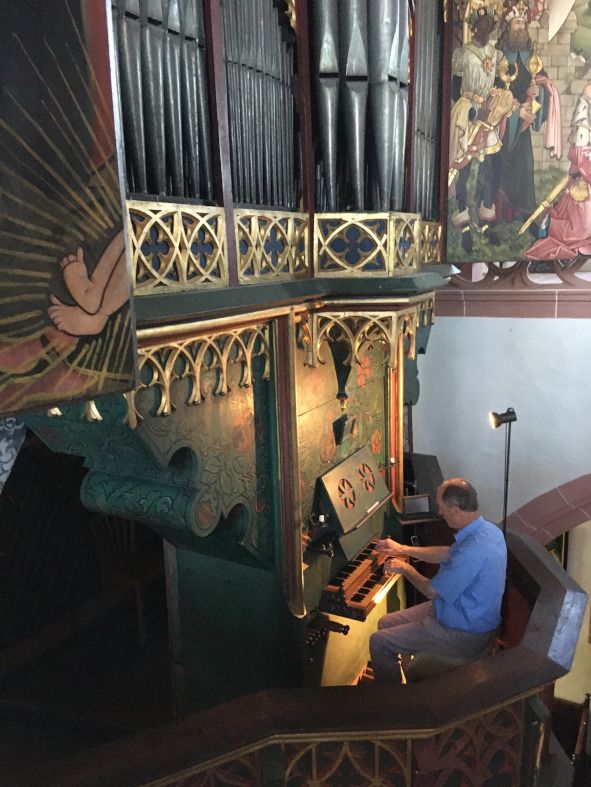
435	554
422	584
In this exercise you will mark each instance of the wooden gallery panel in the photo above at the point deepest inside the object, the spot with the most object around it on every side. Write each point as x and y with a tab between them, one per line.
65	327
520	152
336	391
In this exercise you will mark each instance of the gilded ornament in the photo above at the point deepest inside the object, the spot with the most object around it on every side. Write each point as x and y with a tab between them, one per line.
362	244
176	247
271	245
364	331
162	365
291	13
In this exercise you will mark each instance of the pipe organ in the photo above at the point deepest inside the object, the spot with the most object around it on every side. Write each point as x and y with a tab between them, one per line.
424	190
280	165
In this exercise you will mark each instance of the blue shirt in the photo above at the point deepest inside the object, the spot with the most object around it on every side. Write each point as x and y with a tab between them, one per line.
470	584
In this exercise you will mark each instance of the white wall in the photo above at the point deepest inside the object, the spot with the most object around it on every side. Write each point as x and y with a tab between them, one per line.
539	367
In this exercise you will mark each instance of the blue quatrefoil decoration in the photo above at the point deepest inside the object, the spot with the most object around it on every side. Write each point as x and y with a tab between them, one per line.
153	247
404	245
354	246
274	246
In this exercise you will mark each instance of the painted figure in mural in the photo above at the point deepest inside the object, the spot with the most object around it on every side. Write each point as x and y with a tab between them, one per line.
569	229
475	119
97	296
535	101
464	612
65	326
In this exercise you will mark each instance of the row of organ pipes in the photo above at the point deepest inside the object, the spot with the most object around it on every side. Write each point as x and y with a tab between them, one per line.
164	95
360	58
360	63
161	48
361	98
424	196
259	56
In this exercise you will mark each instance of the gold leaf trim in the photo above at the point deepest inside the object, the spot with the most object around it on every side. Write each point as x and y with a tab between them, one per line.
176	247
271	245
162	365
367	244
364	331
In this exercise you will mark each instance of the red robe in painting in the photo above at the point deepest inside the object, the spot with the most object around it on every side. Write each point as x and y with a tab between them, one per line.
569	232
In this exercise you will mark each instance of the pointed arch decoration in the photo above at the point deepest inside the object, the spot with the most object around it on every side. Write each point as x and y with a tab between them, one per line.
363	330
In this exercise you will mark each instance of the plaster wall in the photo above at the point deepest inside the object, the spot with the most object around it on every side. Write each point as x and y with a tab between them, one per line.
539	367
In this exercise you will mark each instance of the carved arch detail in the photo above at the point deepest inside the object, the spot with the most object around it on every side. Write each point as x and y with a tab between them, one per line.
362	331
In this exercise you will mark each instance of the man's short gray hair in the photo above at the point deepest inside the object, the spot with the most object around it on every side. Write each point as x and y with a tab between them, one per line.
459	492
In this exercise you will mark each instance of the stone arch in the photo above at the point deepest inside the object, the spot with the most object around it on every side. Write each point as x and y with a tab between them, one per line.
554	512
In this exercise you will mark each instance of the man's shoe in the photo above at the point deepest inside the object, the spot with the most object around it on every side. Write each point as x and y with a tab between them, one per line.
467	244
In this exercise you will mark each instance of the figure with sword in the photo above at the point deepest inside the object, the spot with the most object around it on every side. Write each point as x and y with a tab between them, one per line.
477	112
569	229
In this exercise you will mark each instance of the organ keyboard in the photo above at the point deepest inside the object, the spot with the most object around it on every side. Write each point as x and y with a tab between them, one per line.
356	589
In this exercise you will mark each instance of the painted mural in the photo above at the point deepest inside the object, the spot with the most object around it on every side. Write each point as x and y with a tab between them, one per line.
520	131
65	323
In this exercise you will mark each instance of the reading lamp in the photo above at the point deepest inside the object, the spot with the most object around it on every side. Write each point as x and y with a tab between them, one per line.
496	420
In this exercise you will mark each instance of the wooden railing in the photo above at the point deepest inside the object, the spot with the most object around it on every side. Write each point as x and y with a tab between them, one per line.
480	719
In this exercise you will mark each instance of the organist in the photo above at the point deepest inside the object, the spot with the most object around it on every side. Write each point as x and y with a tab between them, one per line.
463	612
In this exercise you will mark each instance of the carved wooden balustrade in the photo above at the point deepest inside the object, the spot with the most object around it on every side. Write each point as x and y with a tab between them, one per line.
481	721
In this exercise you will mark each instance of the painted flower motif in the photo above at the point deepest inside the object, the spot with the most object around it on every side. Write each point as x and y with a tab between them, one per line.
242	432
363	372
204	514
327	447
488	65
376	442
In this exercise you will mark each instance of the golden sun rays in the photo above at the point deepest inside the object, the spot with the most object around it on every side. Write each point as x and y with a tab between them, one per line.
60	197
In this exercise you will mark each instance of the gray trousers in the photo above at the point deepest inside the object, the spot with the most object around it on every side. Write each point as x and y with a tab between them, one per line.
415	630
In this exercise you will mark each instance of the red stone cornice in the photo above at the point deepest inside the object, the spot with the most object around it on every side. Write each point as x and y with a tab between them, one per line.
517	292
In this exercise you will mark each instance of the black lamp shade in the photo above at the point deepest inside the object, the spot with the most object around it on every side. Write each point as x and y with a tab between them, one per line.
498	419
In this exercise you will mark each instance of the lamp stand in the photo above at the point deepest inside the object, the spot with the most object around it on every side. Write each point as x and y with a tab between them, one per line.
506	482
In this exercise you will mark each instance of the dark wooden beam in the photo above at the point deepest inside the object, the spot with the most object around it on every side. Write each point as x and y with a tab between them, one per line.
305	107
291	534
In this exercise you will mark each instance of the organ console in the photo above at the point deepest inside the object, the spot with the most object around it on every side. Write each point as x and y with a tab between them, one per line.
348	517
345	574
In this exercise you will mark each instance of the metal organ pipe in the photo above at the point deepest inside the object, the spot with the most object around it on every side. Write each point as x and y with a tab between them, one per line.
325	48
151	55
383	27
427	58
128	38
172	105
354	87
